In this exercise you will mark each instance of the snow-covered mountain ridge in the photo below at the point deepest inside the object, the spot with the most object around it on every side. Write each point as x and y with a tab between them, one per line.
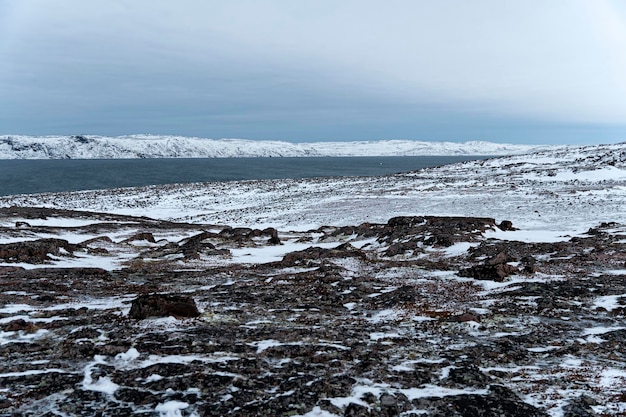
150	146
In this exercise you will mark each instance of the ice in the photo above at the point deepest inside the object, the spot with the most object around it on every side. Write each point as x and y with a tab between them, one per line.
123	359
385	315
265	344
31	372
153	378
609	302
548	236
377	389
611	377
601	330
266	254
317	412
381	335
459	248
102	384
184	359
21	336
171	408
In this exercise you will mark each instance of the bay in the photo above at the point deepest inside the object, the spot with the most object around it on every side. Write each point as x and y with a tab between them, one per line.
58	175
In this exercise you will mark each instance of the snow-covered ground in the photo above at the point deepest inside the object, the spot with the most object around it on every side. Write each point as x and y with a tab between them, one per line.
149	146
565	190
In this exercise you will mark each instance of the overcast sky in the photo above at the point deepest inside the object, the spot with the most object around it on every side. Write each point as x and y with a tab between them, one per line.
532	71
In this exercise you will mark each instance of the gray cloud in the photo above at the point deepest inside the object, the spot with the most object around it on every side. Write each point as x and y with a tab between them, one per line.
452	70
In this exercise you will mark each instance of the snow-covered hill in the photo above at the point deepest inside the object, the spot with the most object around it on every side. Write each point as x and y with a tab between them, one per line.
148	146
567	189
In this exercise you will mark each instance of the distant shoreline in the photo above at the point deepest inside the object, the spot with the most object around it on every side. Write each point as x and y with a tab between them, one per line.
149	146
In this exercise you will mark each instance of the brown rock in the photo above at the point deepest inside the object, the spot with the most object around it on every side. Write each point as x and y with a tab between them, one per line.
35	251
147	236
163	305
506	225
489	272
20	324
273	234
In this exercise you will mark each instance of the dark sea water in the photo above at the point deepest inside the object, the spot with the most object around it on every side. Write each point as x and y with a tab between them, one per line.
38	176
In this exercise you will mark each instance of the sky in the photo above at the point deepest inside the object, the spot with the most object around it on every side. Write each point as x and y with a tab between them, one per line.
533	71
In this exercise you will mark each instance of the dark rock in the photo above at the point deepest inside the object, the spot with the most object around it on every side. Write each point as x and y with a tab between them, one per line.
4	270
356	410
20	325
97	239
147	236
462	318
580	407
401	248
489	272
81	139
83	349
496	404
529	264
97	251
344	250
237	234
403	295
390	406
494	269
21	224
435	231
506	225
163	305
35	251
273	234
469	375
199	244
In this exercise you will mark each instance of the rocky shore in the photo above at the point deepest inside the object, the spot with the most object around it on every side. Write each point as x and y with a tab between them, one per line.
105	314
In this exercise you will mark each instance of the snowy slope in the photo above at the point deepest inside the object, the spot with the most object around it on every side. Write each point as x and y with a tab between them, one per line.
147	146
567	189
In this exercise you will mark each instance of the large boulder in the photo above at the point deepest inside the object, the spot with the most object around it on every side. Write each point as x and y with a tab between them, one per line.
314	254
163	305
494	269
36	251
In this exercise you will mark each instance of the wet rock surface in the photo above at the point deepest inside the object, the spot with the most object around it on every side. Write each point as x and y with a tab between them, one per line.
417	316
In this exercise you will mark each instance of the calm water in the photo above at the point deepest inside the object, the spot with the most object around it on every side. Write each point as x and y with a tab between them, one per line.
38	176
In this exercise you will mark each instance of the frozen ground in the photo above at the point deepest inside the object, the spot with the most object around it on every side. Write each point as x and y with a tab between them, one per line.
565	190
355	312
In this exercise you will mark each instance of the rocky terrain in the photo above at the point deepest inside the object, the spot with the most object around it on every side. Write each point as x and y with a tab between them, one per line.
109	314
487	288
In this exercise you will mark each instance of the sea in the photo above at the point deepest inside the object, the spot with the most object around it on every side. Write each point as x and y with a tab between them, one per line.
59	175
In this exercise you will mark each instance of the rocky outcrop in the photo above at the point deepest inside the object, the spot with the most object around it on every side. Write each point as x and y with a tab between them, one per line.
494	269
436	231
163	305
313	255
36	251
145	236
